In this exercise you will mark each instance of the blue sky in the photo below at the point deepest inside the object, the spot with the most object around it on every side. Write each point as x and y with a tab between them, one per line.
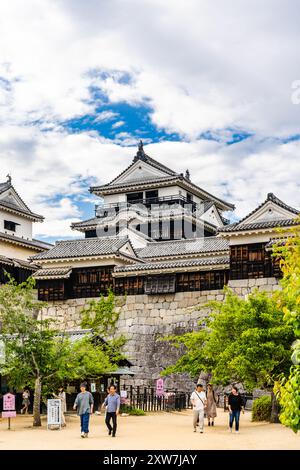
212	87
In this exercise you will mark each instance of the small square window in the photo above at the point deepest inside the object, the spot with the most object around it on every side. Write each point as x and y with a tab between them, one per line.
9	225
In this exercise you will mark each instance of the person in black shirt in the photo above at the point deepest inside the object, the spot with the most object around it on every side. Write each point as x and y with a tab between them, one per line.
235	405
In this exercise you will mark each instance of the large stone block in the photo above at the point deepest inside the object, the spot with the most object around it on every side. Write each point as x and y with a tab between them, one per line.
265	288
261	282
238	283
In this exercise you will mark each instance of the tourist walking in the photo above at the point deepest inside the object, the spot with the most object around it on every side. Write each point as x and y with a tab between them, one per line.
235	405
25	401
84	403
198	400
112	404
61	395
211	405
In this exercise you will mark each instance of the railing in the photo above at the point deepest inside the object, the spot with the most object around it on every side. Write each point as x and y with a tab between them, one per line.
145	398
103	210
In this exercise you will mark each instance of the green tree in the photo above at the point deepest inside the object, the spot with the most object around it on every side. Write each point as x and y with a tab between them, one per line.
39	355
241	340
288	389
101	316
34	353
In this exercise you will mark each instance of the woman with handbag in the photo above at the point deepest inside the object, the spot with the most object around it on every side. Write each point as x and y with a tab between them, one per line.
211	404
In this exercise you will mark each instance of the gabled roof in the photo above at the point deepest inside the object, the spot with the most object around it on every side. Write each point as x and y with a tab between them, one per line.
56	273
141	155
169	177
17	263
271	197
176	264
4	186
12	206
34	244
259	225
89	223
86	247
243	225
174	248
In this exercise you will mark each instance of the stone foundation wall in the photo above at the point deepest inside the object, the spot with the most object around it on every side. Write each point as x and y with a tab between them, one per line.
146	318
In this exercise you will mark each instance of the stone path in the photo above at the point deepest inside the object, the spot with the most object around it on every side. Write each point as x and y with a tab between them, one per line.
153	431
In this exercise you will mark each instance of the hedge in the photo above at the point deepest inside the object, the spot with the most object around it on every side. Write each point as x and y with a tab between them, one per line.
261	409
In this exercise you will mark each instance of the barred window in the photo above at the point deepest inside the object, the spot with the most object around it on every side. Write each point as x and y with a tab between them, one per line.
160	284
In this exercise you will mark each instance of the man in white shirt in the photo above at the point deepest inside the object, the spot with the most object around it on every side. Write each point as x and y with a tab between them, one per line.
198	400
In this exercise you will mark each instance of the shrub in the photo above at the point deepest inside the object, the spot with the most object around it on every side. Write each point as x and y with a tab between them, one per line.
132	411
261	409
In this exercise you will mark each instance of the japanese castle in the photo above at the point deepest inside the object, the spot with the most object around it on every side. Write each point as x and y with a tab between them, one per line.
155	231
16	241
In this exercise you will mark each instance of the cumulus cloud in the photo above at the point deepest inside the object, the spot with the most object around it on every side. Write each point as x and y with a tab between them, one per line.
201	68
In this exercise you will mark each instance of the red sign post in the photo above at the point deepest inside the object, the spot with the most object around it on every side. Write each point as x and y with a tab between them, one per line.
9	407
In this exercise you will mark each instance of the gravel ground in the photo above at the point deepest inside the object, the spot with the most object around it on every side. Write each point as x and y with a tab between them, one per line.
154	431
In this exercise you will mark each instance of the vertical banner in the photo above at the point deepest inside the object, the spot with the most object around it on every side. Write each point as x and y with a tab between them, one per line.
160	388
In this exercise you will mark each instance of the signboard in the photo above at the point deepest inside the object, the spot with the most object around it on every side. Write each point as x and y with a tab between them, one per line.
93	387
160	387
9	414
53	412
123	396
9	402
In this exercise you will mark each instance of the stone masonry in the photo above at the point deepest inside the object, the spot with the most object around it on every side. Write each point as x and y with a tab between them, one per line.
144	319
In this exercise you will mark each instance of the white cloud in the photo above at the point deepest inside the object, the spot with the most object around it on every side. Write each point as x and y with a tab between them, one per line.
53	170
105	116
118	124
201	66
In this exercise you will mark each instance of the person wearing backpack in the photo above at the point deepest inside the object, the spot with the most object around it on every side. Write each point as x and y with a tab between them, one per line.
198	400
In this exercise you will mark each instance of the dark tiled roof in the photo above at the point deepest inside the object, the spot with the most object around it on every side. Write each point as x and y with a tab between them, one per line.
140	181
187	263
86	223
39	245
150	161
180	179
5	260
9	205
237	227
173	177
277	242
20	210
4	186
271	197
84	247
18	263
56	273
184	247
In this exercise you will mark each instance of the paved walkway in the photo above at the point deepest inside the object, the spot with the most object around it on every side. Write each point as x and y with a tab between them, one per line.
153	431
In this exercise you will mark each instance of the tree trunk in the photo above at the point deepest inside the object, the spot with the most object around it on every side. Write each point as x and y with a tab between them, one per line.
275	409
37	403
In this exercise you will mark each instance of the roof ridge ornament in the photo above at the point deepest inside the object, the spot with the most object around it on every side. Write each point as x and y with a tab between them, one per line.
140	155
187	175
8	176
